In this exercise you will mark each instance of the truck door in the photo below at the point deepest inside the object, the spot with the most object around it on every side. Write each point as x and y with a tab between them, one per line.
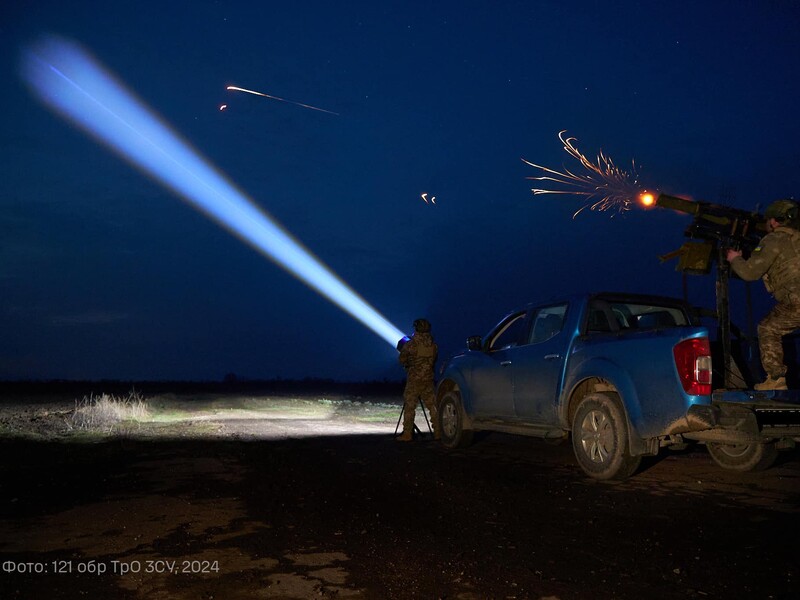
492	378
539	364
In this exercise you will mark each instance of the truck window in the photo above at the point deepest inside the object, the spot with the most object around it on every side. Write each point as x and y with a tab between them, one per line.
598	322
657	318
630	315
509	333
547	323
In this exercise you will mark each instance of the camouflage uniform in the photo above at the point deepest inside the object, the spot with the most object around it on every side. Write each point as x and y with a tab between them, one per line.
418	356
777	261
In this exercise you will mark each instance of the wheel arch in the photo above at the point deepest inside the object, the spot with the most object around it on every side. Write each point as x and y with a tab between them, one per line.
445	386
601	437
621	397
452	385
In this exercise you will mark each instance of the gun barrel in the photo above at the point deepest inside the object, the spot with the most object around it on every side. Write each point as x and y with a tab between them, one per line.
679	204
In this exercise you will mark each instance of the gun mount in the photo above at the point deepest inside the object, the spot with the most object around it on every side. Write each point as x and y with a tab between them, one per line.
714	229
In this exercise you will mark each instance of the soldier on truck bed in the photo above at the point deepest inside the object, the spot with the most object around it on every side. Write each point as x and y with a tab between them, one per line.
776	260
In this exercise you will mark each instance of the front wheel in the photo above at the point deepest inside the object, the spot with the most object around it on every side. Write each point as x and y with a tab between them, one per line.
451	421
743	457
600	439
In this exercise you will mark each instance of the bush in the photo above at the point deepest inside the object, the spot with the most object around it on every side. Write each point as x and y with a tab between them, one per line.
104	412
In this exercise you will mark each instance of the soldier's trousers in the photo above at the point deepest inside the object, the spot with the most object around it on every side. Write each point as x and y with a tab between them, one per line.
414	392
782	319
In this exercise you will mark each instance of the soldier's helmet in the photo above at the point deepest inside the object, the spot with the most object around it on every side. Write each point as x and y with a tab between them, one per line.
783	210
422	326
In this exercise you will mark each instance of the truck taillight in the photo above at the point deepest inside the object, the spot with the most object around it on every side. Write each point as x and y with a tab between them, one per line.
693	361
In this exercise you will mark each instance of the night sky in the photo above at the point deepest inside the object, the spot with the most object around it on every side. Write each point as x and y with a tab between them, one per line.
104	274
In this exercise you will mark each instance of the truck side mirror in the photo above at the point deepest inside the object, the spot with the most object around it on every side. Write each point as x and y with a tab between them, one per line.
474	342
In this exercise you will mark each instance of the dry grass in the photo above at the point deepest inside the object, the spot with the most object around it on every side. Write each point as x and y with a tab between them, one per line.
108	413
169	416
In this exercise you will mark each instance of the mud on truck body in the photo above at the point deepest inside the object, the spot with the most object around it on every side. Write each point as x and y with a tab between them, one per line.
623	375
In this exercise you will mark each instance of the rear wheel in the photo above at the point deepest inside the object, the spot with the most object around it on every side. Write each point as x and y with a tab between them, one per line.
451	421
600	439
743	457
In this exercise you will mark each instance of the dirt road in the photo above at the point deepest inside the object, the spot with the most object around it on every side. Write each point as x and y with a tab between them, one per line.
238	501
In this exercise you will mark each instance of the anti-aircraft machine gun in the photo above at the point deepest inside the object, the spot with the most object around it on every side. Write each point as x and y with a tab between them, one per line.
713	230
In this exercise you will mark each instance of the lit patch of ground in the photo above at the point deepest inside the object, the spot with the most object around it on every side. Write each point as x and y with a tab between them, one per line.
201	416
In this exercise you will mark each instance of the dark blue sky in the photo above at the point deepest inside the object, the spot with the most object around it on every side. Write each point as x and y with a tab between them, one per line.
105	274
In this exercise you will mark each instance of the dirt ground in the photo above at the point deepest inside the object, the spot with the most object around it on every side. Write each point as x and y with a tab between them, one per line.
234	496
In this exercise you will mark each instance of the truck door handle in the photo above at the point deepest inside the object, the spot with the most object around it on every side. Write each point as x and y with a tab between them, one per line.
552	356
505	363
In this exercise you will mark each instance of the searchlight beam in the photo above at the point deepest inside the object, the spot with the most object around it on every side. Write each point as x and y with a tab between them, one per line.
69	81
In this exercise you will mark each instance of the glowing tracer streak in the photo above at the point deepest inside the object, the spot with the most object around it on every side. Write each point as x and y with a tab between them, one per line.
425	198
69	81
239	89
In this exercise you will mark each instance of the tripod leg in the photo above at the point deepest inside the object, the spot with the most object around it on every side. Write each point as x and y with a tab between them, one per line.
417	429
425	414
400	418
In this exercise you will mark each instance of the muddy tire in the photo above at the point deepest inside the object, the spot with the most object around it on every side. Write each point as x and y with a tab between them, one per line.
743	457
600	439
451	421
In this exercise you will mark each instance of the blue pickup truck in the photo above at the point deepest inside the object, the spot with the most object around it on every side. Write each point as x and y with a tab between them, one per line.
625	374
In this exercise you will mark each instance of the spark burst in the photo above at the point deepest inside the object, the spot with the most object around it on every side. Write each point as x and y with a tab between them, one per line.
604	185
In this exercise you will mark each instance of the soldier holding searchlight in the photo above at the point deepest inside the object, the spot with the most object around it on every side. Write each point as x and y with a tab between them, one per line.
418	357
776	260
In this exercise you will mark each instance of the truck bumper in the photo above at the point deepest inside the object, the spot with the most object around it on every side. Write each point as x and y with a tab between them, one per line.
702	416
715	423
741	423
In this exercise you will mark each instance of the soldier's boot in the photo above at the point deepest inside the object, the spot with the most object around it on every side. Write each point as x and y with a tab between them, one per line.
771	383
408	427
